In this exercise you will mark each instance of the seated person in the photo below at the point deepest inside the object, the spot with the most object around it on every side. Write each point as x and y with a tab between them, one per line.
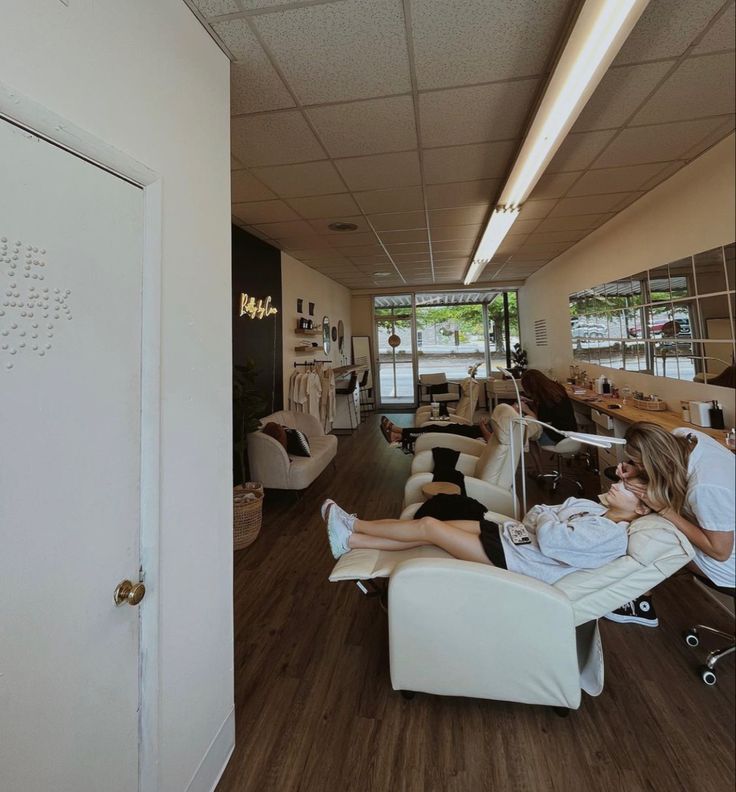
406	435
551	542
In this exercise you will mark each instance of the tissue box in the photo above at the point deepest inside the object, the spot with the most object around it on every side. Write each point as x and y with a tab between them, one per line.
699	414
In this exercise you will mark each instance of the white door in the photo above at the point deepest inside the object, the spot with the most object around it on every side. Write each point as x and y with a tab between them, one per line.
70	401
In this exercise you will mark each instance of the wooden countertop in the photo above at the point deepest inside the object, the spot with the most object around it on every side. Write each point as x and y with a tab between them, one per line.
340	370
627	413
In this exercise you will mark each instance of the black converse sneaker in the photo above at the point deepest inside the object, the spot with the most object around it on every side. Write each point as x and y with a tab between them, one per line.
638	611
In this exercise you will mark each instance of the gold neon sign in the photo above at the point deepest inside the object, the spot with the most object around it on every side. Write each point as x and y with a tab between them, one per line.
253	309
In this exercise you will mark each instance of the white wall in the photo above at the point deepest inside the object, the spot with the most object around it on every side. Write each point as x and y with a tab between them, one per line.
691	212
298	281
144	77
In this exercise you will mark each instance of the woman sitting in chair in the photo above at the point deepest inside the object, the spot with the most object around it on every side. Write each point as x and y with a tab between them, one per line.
551	542
548	401
406	435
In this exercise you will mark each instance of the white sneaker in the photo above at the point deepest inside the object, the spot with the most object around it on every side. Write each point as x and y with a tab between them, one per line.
339	527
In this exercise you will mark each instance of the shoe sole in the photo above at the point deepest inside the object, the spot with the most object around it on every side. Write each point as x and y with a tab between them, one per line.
633	620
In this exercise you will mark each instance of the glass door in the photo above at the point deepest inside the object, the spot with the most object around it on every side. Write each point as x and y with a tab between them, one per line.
395	346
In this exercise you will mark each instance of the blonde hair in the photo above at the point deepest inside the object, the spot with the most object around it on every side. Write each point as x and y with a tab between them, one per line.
662	459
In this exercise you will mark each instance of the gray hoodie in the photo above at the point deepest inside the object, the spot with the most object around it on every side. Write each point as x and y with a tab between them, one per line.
564	539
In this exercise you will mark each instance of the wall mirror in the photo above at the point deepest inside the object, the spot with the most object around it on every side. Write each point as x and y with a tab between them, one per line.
326	334
675	320
362	356
340	336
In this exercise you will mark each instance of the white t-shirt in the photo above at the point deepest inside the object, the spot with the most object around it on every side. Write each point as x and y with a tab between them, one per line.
711	491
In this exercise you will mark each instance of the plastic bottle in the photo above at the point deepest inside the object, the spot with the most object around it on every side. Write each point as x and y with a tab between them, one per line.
731	439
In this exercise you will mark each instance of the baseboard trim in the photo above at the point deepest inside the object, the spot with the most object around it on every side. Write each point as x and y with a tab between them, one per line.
214	762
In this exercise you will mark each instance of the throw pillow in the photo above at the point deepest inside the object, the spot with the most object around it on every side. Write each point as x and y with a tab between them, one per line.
296	443
276	431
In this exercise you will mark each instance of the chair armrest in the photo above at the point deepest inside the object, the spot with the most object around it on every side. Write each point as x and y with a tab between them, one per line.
269	462
465	629
413	488
465	445
308	424
424	463
493	497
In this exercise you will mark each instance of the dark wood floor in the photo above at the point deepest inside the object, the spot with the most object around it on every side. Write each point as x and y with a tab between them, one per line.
316	713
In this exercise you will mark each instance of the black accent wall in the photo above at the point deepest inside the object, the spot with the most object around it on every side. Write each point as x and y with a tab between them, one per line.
257	272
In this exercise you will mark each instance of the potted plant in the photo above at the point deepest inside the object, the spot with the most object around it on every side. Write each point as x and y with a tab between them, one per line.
519	361
248	406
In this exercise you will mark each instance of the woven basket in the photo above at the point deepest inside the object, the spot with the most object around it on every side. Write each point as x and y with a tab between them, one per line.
652	406
247	514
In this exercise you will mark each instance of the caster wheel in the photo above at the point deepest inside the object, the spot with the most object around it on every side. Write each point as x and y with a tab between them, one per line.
691	637
708	676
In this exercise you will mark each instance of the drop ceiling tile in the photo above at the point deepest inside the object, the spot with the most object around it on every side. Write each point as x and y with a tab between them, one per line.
254	83
450	257
321	226
274	139
445	196
381	171
409	258
309	241
465	215
401	199
554	185
628	200
721	34
572	223
588	204
400	221
344	241
308	178
534	210
459	246
613	180
660	143
370	127
285	230
619	94
408	247
365	252
475	114
211	8
702	86
464	233
392	237
578	150
711	138
497	40
245	187
252	90
339	51
525	226
669	170
467	163
311	254
264	212
666	29
314	207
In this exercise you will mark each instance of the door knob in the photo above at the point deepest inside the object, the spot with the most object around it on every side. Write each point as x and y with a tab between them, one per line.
130	593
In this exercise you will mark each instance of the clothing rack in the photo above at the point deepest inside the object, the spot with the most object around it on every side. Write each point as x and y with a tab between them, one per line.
312	363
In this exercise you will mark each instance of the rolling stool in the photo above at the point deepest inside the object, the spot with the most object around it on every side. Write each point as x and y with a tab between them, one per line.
348	391
366	396
692	636
565	449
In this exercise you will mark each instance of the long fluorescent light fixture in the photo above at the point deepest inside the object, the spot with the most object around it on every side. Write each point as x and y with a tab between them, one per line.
600	30
498	226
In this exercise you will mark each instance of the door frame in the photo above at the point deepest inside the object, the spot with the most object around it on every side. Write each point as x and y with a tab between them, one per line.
44	123
380	404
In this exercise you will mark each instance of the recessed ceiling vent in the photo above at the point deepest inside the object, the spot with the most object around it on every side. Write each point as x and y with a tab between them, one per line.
540	332
342	227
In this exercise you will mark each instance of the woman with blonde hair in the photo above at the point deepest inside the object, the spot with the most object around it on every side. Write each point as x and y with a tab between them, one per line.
688	478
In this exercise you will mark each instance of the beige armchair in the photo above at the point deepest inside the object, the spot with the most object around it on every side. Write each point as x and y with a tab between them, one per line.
490	463
458	628
274	468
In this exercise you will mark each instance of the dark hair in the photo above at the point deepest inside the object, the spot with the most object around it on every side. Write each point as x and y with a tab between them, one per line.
541	388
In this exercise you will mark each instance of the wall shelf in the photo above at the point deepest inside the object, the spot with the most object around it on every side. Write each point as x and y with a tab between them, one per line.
308	350
312	332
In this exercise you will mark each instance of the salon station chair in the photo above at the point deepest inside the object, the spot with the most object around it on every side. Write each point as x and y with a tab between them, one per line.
489	464
693	635
463	412
458	628
347	404
436	388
